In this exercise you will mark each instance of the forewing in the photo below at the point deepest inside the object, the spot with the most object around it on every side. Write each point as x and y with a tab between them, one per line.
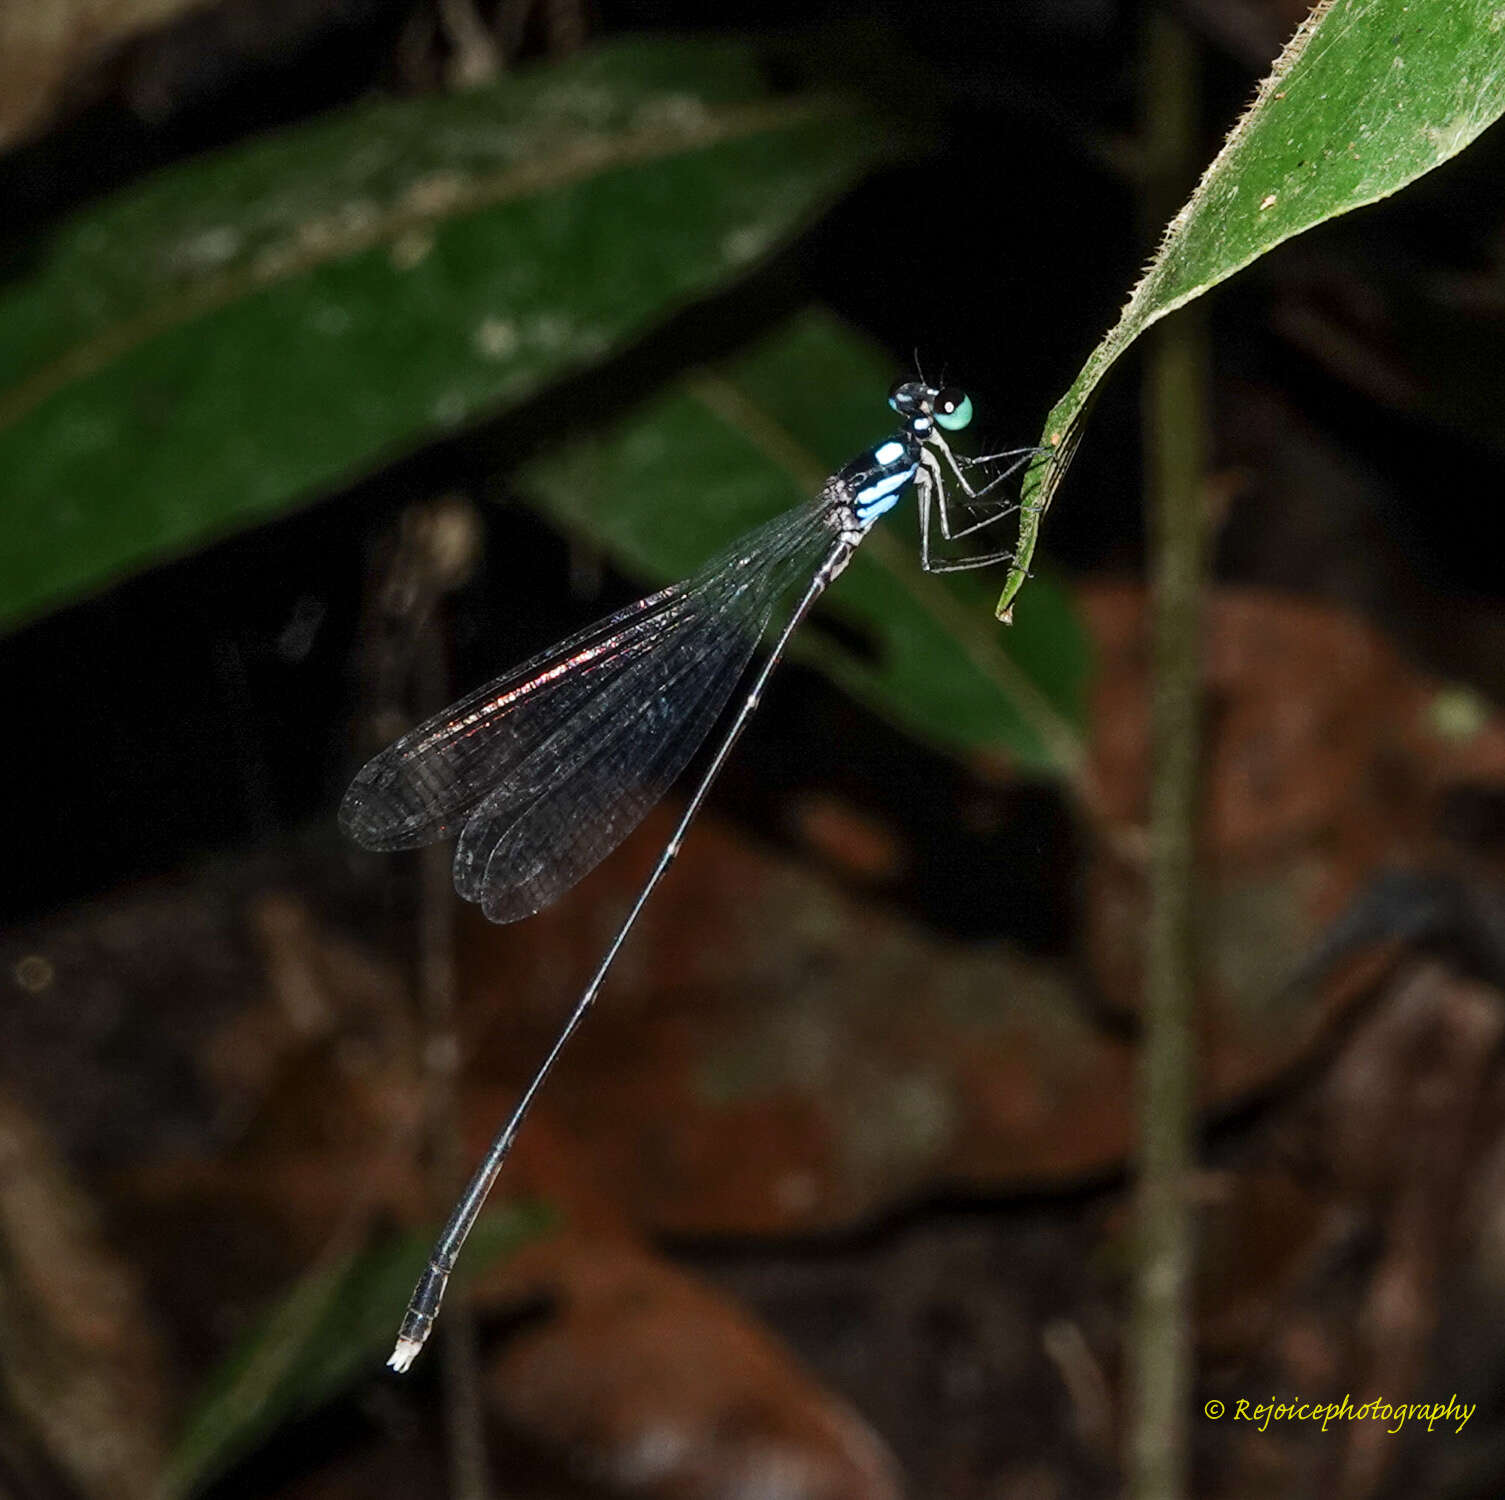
423	786
597	778
585	787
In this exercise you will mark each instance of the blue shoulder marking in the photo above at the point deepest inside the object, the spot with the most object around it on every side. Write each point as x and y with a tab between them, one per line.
882	494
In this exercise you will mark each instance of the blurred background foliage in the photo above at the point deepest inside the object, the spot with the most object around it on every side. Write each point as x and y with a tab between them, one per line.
598	287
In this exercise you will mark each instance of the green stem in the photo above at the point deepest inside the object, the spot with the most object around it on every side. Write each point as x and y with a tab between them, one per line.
1175	427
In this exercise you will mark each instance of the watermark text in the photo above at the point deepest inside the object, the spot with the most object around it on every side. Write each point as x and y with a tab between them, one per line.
1395	1415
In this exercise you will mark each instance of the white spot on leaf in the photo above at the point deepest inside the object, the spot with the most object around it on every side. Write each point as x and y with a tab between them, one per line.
209	248
435	194
411	249
330	320
682	112
496	338
745	243
449	409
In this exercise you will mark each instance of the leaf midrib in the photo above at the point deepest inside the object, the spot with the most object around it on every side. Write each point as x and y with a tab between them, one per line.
570	162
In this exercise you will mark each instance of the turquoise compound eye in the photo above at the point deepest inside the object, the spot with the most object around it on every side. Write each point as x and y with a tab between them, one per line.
953	409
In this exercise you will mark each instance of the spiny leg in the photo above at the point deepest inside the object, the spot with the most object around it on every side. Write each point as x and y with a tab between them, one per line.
966	564
930	490
948	529
1004	509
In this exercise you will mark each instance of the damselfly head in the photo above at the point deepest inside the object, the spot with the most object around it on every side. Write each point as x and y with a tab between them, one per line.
917	403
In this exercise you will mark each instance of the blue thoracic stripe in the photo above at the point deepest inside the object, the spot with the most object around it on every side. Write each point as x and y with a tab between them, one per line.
882	494
888	453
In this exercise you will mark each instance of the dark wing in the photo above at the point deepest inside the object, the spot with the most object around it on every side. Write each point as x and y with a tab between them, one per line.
422	787
550	767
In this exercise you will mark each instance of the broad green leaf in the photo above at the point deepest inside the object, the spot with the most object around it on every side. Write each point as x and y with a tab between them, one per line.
255	327
734	444
1367	96
336	1327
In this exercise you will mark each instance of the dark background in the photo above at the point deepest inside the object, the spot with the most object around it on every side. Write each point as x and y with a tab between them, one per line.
213	707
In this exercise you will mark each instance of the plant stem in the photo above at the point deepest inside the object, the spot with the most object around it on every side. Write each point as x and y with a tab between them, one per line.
1175	428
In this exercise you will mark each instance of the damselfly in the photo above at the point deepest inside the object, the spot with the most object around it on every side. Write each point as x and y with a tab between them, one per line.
544	771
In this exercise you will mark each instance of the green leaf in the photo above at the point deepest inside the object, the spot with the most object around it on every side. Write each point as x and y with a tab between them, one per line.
734	444
252	328
1367	96
335	1328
